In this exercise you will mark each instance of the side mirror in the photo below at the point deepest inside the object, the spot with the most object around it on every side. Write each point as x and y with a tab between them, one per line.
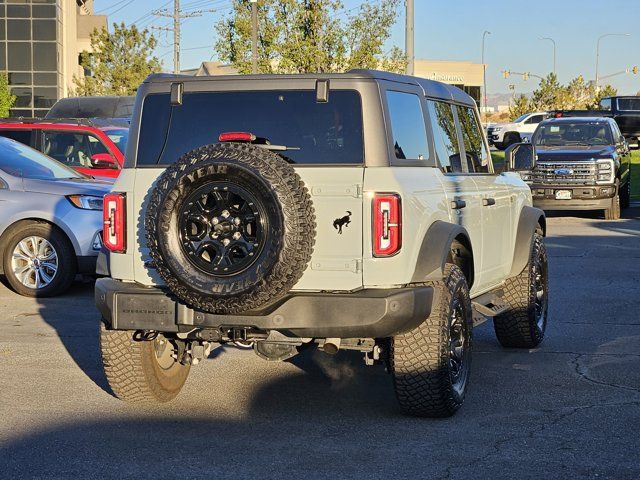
103	160
519	157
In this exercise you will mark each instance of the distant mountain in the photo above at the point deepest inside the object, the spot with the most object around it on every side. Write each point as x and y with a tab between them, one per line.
495	99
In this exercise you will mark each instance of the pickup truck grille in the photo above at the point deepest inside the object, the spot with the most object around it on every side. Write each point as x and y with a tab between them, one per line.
565	173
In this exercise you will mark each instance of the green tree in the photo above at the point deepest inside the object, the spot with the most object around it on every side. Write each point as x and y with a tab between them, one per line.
549	94
118	63
575	95
7	100
520	105
307	36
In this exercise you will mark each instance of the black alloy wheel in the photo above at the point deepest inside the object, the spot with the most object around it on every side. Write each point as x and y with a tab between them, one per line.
459	340
222	228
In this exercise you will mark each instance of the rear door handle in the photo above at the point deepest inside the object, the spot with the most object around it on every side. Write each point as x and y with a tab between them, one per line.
458	204
487	202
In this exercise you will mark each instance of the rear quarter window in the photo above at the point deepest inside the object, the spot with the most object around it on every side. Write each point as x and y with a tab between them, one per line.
318	133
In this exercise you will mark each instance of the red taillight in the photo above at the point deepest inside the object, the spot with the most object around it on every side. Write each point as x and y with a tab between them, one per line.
236	137
114	218
387	224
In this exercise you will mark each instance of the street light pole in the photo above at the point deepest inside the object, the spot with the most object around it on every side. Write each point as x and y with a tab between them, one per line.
554	51
484	76
254	36
598	50
409	36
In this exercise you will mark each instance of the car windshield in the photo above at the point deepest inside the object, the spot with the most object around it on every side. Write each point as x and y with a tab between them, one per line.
119	136
521	118
21	161
573	133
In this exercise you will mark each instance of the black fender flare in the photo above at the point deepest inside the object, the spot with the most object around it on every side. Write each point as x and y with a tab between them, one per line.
531	219
436	249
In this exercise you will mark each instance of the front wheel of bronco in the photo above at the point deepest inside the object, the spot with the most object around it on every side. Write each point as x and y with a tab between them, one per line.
523	326
430	364
141	371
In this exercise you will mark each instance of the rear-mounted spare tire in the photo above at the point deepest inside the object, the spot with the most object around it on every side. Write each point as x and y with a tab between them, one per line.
230	227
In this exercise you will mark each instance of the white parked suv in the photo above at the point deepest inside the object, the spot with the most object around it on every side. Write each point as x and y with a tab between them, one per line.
355	211
502	135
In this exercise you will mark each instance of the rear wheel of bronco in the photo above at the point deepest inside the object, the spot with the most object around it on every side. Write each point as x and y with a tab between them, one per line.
613	212
142	371
523	326
230	227
430	364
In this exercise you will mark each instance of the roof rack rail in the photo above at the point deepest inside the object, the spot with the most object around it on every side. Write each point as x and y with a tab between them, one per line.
84	122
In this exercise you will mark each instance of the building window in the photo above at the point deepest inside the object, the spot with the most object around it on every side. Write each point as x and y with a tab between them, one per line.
29	43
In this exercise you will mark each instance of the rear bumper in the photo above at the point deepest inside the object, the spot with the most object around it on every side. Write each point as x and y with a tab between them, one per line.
582	198
369	313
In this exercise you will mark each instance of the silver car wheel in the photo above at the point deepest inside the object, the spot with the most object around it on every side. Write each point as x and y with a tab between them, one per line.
34	262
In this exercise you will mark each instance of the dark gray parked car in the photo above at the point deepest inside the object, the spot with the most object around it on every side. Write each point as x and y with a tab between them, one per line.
50	221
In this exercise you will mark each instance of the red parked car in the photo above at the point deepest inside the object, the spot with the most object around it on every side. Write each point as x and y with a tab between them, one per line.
90	148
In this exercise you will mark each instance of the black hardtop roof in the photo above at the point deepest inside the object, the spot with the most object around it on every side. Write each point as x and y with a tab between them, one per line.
431	88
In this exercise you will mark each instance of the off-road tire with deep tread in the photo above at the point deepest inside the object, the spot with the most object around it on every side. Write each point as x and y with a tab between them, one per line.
419	359
518	327
613	212
290	242
133	372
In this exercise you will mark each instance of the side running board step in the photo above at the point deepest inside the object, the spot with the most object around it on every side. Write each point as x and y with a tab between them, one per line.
483	312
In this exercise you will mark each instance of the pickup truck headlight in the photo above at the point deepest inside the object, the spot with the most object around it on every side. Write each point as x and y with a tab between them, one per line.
605	173
497	129
86	202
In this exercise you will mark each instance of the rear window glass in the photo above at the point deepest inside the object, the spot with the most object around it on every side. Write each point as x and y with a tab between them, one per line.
316	133
22	136
629	104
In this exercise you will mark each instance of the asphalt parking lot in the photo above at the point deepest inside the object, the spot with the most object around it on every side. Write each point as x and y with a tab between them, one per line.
568	409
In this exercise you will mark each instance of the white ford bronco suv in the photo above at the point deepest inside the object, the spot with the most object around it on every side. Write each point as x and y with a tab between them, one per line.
357	211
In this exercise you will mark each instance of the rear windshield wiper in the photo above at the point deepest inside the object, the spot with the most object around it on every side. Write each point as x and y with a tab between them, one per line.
275	148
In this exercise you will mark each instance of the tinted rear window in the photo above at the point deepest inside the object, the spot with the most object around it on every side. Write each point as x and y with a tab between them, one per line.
629	104
319	133
22	136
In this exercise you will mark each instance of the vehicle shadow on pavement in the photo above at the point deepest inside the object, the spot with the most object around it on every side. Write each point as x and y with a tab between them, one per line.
302	423
77	324
540	413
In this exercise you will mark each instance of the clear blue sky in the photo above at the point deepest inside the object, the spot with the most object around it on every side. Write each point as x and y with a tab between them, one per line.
452	30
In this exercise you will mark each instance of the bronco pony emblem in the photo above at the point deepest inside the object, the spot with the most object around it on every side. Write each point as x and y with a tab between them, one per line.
338	223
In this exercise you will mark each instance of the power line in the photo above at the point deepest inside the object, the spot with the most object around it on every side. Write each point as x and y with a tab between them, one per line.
111	6
177	15
149	13
122	7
